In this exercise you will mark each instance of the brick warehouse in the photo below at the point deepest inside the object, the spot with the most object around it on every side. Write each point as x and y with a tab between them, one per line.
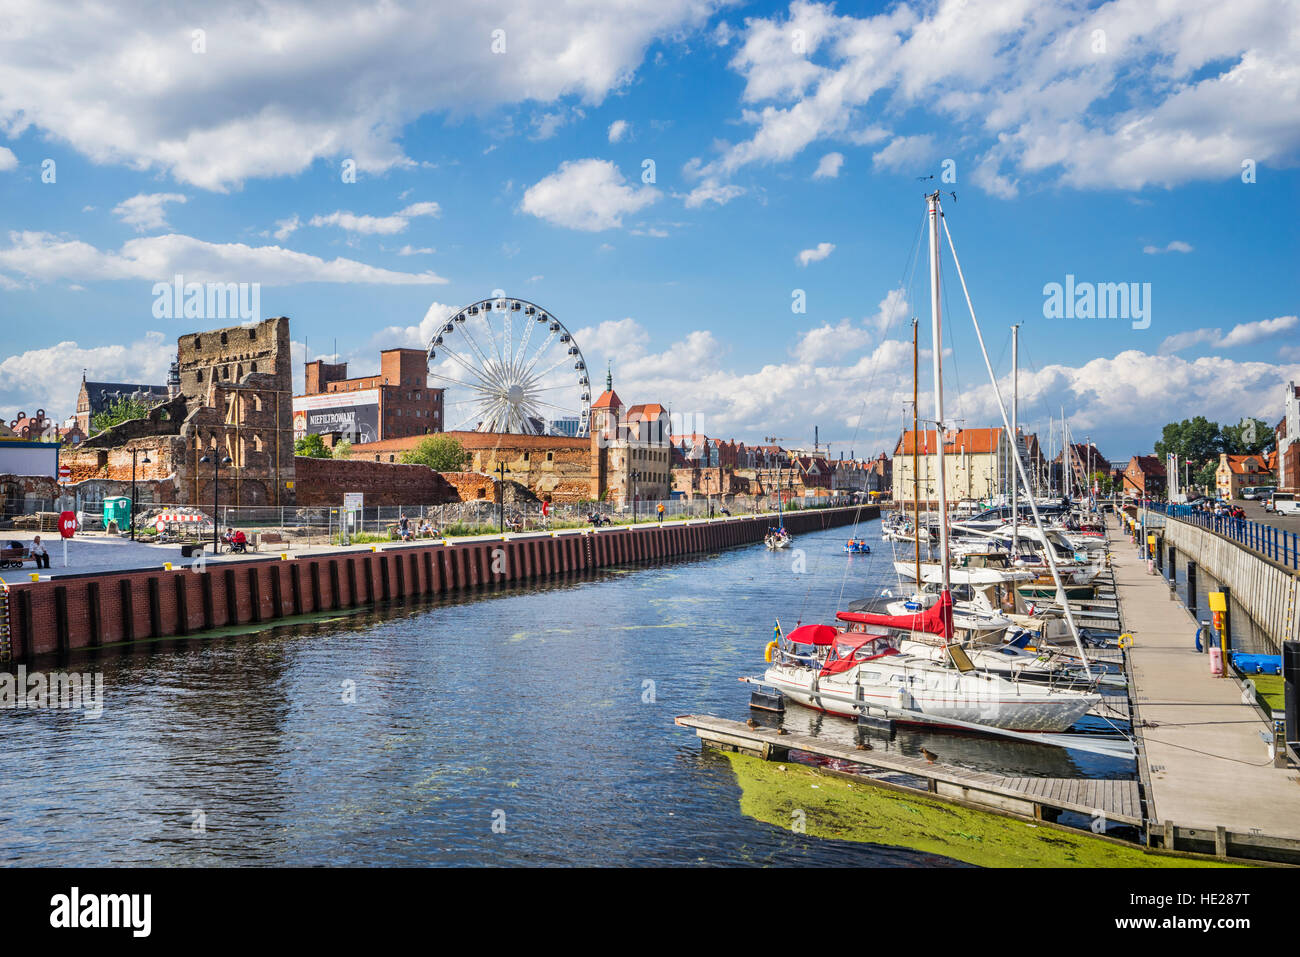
395	403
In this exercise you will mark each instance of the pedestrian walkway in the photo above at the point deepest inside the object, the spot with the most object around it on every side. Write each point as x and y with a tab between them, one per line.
1209	766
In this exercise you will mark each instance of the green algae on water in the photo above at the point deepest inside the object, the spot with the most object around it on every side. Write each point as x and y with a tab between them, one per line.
834	807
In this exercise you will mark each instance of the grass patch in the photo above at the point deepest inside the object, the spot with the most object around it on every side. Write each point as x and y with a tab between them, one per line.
1270	689
834	807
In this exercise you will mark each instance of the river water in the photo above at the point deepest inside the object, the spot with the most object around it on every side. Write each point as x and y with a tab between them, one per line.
528	725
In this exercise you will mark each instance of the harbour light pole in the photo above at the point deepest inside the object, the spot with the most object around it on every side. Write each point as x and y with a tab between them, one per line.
216	489
146	461
502	471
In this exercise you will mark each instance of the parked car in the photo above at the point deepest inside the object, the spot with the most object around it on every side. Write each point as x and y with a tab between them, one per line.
1284	503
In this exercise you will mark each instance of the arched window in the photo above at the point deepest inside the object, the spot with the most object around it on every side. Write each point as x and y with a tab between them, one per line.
223	339
198	342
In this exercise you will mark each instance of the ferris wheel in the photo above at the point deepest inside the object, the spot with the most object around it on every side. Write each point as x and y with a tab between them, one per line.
509	365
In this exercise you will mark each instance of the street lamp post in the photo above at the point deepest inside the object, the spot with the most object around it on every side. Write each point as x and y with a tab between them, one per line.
502	471
635	476
216	490
146	461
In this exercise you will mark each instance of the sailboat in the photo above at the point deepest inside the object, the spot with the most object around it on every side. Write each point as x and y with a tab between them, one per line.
778	537
868	660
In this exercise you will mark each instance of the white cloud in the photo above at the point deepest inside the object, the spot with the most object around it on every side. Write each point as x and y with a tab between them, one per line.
905	154
1242	334
1176	246
286	227
48	378
588	194
382	225
145	211
417	336
283	86
409	250
814	255
45	257
829	167
1205	87
711	191
1184	340
8	160
617	130
1248	332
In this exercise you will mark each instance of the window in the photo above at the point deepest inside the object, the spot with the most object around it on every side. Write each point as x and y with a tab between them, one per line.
550	456
252	334
198	342
223	338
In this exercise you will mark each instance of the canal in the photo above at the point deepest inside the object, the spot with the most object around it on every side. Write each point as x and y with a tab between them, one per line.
529	725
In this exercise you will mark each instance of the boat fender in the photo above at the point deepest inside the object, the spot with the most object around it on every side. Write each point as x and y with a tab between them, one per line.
767	653
1126	640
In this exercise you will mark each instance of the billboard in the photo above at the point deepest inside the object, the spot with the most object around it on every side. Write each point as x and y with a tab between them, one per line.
355	414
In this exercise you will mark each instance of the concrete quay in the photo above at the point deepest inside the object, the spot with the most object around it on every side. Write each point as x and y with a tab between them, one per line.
1208	771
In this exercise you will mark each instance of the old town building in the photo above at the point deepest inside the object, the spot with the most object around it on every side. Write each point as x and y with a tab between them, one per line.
395	403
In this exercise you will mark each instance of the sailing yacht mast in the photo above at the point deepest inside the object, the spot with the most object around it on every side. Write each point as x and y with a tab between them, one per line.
936	332
916	458
1015	407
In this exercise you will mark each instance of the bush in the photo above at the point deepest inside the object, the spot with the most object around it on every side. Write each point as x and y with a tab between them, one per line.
439	452
120	411
312	446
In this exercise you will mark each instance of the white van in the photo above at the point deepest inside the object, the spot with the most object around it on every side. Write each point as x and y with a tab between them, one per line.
1284	503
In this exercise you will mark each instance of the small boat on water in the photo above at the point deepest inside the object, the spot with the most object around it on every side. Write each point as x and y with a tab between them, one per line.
777	538
857	546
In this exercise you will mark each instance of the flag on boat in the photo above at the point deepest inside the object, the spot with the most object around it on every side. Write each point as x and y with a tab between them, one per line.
776	629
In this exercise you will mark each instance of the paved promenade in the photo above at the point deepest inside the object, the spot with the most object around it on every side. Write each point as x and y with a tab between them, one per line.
98	552
1209	766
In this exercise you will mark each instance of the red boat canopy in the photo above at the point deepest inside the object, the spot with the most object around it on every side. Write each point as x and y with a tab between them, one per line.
935	620
814	635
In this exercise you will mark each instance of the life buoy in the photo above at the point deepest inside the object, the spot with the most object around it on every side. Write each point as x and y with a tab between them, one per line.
767	653
1126	640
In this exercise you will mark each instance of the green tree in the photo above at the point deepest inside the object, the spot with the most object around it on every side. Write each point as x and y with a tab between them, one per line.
312	446
343	449
1206	477
1195	440
119	411
439	452
1248	437
1103	482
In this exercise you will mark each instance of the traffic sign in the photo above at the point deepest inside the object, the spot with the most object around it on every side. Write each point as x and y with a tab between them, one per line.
67	524
65	473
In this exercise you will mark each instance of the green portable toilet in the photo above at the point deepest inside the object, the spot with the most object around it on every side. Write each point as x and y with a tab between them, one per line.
117	508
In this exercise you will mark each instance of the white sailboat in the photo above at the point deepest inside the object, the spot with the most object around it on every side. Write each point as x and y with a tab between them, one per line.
871	660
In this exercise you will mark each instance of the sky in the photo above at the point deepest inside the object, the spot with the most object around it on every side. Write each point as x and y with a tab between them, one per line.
674	180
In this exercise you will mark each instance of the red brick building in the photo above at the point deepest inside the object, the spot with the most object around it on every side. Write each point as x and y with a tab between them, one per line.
1145	477
396	403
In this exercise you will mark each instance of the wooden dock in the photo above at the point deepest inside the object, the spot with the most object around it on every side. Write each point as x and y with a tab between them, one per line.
1208	780
1036	798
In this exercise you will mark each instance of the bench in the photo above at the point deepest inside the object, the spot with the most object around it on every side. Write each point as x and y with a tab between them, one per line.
270	539
14	557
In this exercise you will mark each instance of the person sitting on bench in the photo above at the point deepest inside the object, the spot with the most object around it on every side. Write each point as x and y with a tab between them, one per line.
39	553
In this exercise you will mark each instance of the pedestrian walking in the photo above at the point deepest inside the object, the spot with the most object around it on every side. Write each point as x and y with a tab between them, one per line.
660	509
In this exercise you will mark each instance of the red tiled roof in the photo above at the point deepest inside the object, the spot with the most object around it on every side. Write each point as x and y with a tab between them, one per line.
608	400
975	441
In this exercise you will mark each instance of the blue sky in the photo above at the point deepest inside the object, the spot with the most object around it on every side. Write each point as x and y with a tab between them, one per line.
1104	141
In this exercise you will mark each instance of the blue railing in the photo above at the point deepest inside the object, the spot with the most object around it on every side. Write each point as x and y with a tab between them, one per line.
1275	543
